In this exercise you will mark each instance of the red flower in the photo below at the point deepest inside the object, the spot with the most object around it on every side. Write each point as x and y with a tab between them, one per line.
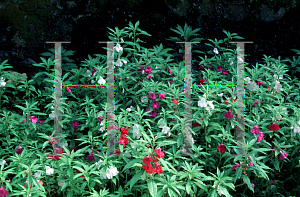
124	131
273	127
71	149
221	148
176	101
77	171
268	88
202	80
226	102
117	152
149	169
91	156
123	140
196	124
169	70
159	153
158	168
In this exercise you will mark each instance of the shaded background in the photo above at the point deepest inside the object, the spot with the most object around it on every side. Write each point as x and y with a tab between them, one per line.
273	26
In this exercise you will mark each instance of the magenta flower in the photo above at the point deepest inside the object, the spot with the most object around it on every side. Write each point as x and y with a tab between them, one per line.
95	69
68	89
148	70
33	119
148	109
153	114
235	166
251	164
201	68
271	181
219	69
75	124
141	68
41	121
255	130
149	76
91	156
228	115
161	96
3	192
171	81
208	68
224	72
260	136
19	150
252	185
259	82
283	155
152	95
155	104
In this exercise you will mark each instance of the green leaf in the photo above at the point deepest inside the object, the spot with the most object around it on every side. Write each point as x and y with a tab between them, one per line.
152	187
135	178
130	164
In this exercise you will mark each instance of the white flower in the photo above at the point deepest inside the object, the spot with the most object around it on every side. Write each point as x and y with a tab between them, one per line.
52	107
216	51
119	62
136	131
100	161
210	103
129	109
161	123
61	183
51	115
2	82
165	129
145	99
220	95
252	86
2	162
280	76
102	129
101	81
49	170
231	63
202	103
133	146
111	171
220	192
88	73
297	129
118	48
247	79
143	72
278	86
103	176
37	174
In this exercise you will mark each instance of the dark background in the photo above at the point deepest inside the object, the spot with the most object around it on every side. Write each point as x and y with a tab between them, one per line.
273	26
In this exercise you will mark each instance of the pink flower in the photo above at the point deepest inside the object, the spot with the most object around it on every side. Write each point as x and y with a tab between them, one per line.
155	104
255	130
251	164
219	69
19	150
224	72
3	192
169	70
148	109
283	155
153	114
33	119
260	136
252	185
152	95
273	127
208	68
171	81
271	181
148	70
68	89
75	124
161	96
221	148
228	115
91	156
149	76
255	103
100	118
259	82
